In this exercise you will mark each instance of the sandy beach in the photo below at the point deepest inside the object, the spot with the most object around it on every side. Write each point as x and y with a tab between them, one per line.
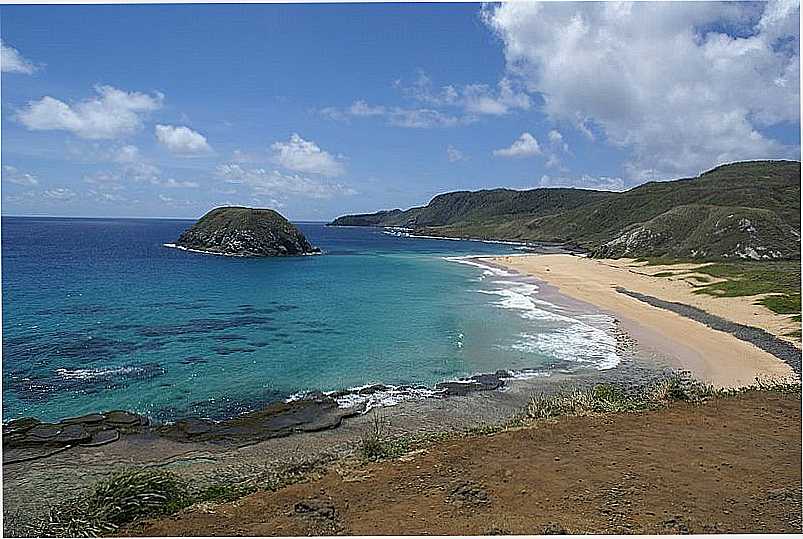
712	356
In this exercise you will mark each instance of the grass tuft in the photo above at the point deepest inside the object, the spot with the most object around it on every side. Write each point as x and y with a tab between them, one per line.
377	444
118	500
608	398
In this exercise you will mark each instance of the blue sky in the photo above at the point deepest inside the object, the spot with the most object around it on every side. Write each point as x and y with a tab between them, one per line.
320	110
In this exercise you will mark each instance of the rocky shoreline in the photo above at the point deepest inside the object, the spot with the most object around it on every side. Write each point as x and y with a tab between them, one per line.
28	438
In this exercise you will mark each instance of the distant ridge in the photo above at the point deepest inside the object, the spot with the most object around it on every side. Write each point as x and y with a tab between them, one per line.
748	210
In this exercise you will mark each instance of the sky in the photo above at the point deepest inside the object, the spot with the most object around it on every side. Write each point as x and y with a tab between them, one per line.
321	110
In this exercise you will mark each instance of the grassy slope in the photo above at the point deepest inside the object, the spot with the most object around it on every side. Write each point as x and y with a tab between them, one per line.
700	217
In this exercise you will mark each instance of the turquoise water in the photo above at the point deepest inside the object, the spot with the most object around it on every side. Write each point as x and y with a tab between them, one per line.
98	314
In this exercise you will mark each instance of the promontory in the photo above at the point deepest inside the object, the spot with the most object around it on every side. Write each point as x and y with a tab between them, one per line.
240	231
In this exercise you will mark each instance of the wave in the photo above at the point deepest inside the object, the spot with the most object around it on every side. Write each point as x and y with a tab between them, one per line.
89	374
586	339
406	233
370	396
203	252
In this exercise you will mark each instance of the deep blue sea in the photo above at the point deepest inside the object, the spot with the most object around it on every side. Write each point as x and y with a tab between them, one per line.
98	314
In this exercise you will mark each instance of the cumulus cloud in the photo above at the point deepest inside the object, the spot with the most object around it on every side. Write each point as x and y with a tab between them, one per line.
682	86
110	114
597	183
272	183
11	61
17	177
453	154
524	146
182	140
302	155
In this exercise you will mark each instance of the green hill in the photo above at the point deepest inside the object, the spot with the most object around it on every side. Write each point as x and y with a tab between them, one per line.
742	210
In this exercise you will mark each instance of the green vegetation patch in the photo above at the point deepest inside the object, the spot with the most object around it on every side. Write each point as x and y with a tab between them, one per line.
784	304
752	278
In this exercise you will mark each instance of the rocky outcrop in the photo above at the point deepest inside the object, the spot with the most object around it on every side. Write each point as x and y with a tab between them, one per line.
238	231
28	438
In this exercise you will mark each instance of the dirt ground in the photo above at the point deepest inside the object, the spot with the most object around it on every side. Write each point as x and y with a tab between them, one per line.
730	465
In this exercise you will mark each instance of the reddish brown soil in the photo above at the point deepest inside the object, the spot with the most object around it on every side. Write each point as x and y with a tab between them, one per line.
731	465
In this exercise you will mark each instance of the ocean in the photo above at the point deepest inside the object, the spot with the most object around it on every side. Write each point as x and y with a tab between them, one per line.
98	314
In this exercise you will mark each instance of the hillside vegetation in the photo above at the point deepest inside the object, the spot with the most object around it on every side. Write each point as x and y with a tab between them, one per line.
748	210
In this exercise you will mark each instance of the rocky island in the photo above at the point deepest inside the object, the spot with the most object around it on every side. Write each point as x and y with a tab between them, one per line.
240	231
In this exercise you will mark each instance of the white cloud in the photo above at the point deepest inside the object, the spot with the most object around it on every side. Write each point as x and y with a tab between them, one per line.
361	108
111	114
263	182
453	154
557	146
127	154
305	156
464	104
525	146
472	98
175	184
597	183
556	139
182	140
420	118
60	193
11	61
661	79
15	176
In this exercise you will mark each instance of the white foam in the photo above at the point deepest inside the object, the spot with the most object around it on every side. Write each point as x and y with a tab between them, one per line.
407	233
387	396
583	339
85	374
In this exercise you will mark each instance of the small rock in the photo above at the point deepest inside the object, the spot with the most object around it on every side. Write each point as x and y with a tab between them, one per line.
554	528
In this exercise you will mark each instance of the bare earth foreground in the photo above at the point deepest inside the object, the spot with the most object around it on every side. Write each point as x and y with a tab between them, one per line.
730	465
711	356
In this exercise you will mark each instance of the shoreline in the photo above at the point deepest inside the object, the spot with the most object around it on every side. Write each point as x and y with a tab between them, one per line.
710	355
206	460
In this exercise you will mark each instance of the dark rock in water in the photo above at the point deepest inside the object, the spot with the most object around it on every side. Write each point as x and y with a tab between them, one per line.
123	418
88	419
478	382
29	439
73	434
239	231
314	413
17	426
43	432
